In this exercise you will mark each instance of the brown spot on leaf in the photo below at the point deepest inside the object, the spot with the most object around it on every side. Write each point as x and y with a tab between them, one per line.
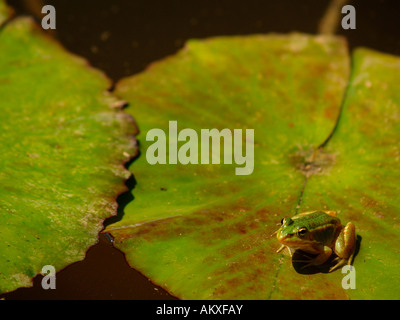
312	161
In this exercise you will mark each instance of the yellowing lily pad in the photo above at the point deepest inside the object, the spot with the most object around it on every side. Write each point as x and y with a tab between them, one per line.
64	142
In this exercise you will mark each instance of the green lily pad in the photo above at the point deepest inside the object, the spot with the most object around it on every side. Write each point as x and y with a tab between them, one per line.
201	231
362	185
64	142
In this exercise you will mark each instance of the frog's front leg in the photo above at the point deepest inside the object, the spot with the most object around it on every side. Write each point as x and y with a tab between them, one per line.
283	247
345	245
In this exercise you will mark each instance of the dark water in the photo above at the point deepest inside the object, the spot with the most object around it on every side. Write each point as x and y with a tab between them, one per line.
121	37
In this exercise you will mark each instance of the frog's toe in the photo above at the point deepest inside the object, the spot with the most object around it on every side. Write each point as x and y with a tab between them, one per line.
340	263
308	263
301	261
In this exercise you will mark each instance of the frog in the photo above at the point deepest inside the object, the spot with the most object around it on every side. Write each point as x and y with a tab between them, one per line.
319	233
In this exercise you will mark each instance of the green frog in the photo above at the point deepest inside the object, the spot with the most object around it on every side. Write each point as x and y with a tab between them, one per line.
319	233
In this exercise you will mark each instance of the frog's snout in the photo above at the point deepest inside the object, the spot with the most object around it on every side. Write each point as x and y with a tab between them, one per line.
280	235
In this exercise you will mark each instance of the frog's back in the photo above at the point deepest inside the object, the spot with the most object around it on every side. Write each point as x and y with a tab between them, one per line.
324	226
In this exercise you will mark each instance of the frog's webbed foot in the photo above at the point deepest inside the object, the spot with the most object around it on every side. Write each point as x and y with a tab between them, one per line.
340	262
321	258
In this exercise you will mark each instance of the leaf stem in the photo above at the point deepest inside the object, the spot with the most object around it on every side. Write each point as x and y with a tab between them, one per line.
330	20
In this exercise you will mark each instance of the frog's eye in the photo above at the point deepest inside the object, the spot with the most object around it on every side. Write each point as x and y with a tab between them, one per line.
286	221
302	232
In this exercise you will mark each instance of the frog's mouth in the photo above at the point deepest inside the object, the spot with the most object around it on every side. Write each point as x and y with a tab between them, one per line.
297	244
289	241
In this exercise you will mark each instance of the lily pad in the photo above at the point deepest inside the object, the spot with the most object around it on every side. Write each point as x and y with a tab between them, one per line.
64	142
362	185
201	231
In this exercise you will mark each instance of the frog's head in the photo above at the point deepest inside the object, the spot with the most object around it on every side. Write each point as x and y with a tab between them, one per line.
293	233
